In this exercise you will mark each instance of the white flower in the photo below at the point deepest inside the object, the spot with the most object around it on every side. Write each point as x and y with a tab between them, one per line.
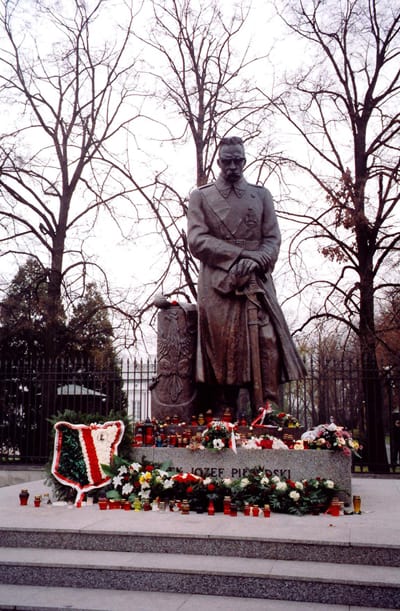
281	486
117	480
264	481
275	479
145	494
278	444
227	481
308	435
251	444
244	482
163	474
299	485
145	486
294	495
168	484
135	466
122	470
127	488
207	481
218	444
331	427
329	483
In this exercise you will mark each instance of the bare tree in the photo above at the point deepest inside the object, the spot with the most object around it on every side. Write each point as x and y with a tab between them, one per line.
344	107
206	80
71	97
204	89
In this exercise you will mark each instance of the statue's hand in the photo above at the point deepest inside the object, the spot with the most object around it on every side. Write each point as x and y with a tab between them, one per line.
260	258
244	267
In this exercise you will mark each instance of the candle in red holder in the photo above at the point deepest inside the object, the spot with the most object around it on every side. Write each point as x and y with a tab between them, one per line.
211	508
334	508
37	500
267	511
233	510
103	504
23	497
148	433
138	442
227	505
255	511
209	416
172	440
246	509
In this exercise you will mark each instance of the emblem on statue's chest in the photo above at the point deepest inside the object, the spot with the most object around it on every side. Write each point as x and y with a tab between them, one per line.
250	220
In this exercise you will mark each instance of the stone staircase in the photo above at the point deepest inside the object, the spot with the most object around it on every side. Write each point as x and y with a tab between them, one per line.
315	572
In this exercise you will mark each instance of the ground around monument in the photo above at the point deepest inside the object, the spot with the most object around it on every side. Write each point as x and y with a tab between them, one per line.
378	524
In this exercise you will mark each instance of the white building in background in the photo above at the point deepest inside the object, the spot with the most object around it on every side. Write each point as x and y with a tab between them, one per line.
137	378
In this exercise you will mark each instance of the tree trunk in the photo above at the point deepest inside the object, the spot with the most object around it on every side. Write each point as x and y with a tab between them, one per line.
376	454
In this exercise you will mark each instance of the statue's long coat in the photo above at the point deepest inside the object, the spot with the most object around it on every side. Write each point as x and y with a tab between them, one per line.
224	220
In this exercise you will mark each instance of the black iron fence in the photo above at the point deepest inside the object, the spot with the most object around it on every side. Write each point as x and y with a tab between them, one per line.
33	392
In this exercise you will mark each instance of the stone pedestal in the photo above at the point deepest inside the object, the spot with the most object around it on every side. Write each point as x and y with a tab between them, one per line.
294	464
174	391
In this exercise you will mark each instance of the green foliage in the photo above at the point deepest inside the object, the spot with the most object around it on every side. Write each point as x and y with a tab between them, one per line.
24	321
23	314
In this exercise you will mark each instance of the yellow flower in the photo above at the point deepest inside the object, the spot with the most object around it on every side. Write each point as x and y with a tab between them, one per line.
144	477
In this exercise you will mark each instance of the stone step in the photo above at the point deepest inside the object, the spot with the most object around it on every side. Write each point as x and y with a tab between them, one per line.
303	581
372	554
39	598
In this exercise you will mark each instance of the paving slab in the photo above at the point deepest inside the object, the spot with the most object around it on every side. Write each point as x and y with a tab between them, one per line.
379	522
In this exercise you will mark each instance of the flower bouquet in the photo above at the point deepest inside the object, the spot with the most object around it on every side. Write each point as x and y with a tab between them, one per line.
264	442
218	435
147	483
280	419
187	486
267	416
134	480
331	437
300	497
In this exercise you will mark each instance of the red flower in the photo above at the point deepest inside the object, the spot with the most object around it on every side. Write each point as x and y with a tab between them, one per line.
266	444
211	487
189	489
185	478
149	468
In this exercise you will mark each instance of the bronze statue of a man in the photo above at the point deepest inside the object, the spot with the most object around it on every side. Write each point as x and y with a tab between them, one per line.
243	339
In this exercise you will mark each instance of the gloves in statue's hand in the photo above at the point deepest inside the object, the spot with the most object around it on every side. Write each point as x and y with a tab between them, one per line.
240	273
244	267
261	258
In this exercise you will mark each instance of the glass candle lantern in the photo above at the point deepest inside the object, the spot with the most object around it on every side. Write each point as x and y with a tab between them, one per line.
357	504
